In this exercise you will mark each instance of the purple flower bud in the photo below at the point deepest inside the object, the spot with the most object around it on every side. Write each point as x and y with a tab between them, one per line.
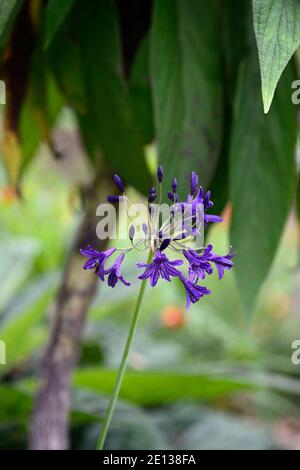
152	195
112	198
194	182
160	173
131	232
174	185
173	197
119	183
145	228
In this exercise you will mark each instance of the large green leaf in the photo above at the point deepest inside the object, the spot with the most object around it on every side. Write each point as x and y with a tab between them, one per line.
8	10
235	20
156	387
187	87
262	176
277	29
140	92
64	56
109	121
56	12
40	110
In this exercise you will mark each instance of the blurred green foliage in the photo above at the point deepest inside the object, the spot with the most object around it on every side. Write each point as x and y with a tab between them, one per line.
178	83
190	381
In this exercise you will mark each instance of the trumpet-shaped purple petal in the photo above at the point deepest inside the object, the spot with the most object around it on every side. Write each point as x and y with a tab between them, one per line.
161	266
200	265
212	218
193	291
96	259
114	272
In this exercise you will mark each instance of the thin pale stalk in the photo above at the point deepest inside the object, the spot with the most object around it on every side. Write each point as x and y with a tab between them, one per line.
123	364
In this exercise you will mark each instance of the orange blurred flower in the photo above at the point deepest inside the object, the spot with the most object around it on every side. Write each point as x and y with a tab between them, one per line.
8	195
173	317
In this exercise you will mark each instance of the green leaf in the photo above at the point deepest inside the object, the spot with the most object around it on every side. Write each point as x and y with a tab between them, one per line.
64	57
262	177
41	106
235	21
277	29
8	11
17	259
16	405
56	12
157	387
187	87
108	123
236	16
140	92
21	334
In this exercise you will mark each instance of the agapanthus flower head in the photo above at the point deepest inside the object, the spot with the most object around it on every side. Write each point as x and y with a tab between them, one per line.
175	240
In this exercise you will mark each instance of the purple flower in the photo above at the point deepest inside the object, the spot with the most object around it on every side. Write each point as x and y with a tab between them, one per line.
161	266
161	234
200	265
193	291
96	259
204	198
114	272
212	218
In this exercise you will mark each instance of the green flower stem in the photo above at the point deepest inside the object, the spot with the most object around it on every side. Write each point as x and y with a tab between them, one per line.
123	364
